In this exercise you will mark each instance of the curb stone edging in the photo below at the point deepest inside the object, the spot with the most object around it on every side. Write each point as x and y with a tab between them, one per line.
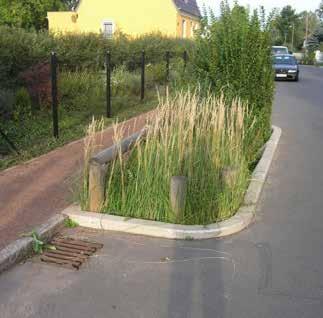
236	223
19	249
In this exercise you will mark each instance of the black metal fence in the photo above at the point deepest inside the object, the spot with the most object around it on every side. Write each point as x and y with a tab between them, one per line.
54	87
108	69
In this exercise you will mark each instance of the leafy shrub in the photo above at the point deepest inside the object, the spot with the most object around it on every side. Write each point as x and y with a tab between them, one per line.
7	100
155	73
125	82
38	83
309	58
233	56
81	90
21	49
23	104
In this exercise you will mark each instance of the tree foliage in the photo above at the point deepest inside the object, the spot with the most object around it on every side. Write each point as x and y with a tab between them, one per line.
285	24
233	56
71	4
319	11
289	27
21	49
315	39
28	13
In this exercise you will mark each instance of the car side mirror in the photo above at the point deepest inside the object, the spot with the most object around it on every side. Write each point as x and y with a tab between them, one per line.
290	52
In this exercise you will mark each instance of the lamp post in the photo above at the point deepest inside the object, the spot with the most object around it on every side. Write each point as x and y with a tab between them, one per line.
293	33
285	41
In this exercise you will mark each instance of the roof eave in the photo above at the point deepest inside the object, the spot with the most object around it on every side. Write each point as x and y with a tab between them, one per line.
199	16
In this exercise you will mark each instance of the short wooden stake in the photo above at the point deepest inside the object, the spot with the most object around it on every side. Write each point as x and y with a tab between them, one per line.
178	190
96	186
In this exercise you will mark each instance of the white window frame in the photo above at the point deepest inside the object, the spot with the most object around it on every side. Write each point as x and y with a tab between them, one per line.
105	22
184	28
192	28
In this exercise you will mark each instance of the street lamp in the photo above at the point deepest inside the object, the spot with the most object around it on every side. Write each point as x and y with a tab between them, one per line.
293	33
292	26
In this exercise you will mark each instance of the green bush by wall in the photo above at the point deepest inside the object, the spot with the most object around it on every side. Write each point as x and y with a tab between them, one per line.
20	49
233	56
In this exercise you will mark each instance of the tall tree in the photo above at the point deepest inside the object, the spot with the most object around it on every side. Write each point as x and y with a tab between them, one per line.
286	23
71	4
309	22
28	13
315	39
319	11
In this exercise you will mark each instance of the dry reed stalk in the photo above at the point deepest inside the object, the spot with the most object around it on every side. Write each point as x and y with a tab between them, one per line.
188	135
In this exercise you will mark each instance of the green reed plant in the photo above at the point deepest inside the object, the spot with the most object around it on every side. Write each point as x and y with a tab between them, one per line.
189	136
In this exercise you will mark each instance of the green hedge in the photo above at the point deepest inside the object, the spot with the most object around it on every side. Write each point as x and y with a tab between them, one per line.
233	56
21	49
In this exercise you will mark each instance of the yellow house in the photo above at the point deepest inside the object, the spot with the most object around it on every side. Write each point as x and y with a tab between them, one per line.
133	17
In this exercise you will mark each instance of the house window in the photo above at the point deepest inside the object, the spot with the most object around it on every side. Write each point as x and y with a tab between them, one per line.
183	28
108	29
192	29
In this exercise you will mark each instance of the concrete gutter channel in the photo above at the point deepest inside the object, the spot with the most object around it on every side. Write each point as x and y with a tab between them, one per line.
18	250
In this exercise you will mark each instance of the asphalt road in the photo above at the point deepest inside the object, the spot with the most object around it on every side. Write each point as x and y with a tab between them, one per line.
273	269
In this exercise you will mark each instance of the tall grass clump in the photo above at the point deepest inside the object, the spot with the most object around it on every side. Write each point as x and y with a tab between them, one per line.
188	136
233	55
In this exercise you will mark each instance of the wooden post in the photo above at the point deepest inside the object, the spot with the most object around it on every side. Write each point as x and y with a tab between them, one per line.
178	190
96	186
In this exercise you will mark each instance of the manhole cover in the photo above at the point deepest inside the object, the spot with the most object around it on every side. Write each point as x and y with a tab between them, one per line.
69	252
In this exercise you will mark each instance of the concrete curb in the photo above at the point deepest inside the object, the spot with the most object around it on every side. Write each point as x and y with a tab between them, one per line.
19	249
236	223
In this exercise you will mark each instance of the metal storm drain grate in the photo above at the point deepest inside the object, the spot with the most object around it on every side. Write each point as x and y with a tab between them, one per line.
69	252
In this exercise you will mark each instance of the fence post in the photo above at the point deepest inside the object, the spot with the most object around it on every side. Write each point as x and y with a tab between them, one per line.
167	65
142	75
185	58
53	64
108	88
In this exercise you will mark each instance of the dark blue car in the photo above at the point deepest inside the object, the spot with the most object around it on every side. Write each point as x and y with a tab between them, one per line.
286	67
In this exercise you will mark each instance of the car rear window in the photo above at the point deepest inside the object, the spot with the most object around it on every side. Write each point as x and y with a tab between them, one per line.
284	60
279	50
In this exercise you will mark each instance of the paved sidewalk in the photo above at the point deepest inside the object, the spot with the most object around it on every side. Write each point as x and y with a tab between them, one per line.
32	192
